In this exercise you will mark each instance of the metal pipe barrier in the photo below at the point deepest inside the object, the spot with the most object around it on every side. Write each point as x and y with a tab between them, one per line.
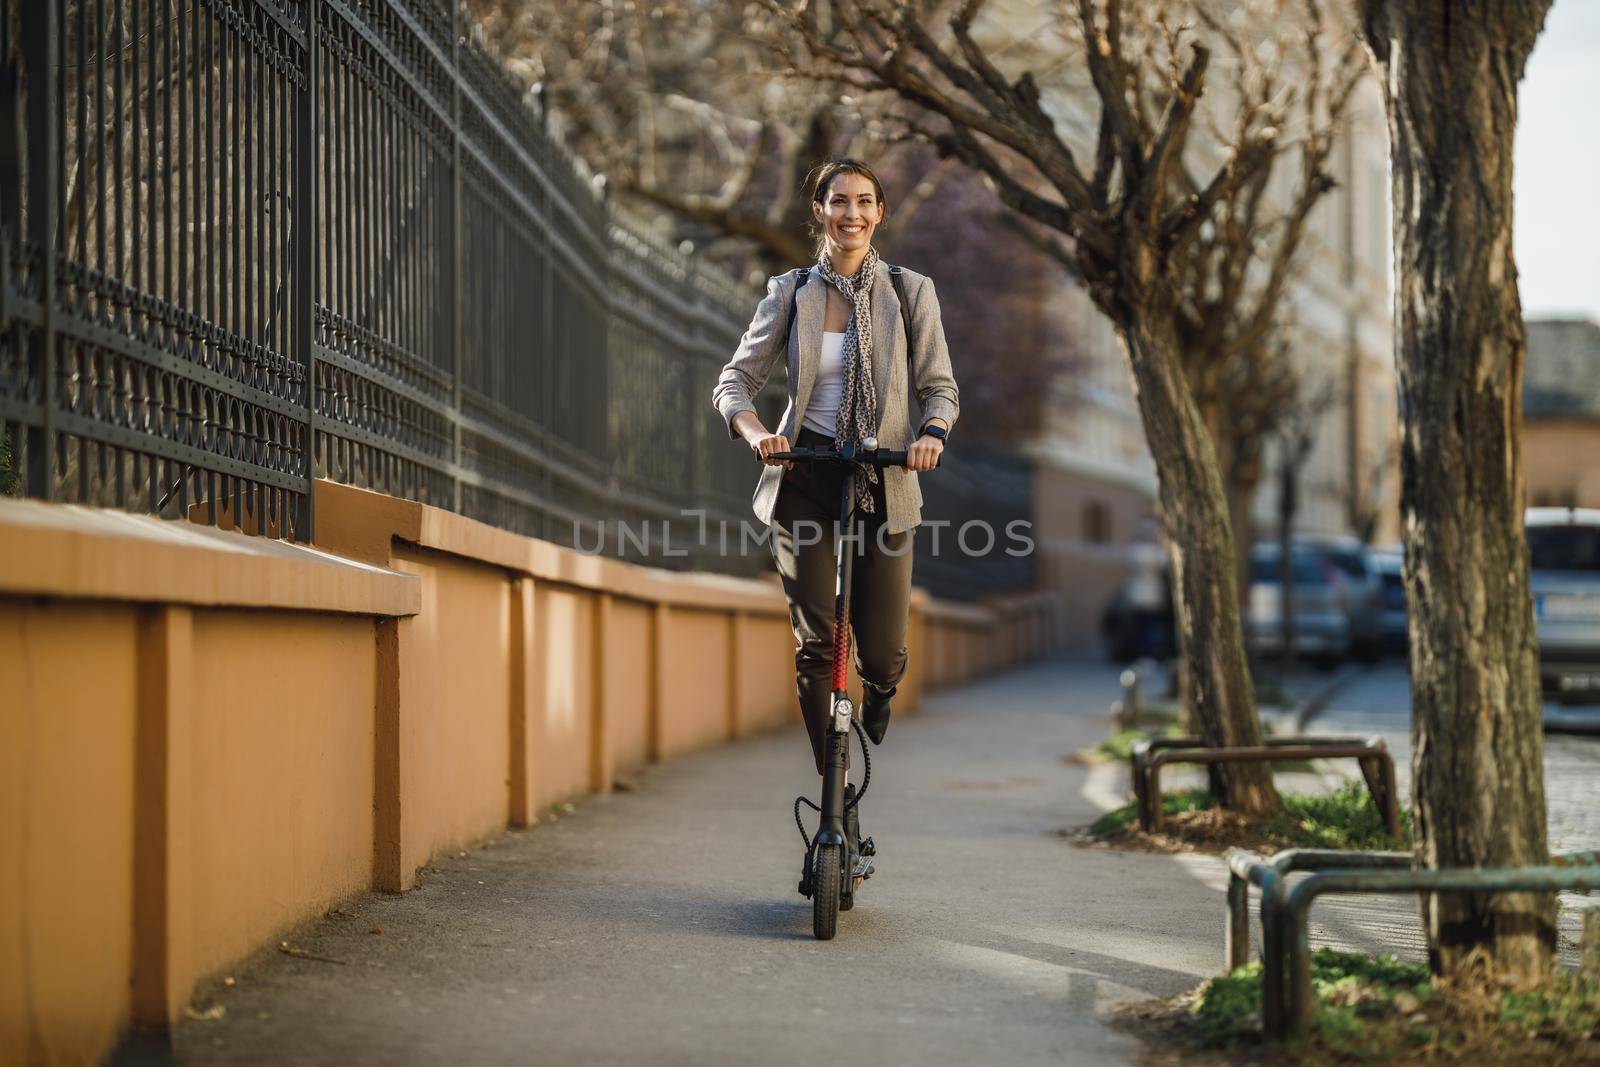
1288	1000
1139	751
1376	762
1246	868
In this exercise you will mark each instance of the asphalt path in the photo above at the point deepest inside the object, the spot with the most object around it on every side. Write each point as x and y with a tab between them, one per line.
662	925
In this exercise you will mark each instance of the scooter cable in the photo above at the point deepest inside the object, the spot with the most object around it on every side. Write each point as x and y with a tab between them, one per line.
799	824
866	781
866	766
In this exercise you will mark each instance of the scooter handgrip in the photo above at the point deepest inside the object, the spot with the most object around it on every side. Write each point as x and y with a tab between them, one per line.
889	457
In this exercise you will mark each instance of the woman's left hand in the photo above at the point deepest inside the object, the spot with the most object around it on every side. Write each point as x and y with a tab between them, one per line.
923	455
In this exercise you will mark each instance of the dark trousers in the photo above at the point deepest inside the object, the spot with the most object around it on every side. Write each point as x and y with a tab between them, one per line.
805	522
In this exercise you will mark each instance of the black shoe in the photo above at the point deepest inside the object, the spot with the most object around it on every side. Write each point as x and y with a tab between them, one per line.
875	711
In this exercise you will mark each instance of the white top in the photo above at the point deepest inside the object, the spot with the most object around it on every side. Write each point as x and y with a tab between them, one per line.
822	410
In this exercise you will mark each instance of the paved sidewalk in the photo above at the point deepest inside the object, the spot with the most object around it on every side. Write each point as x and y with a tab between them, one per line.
1379	702
662	925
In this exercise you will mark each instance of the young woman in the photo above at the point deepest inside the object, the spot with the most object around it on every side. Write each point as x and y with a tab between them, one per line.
852	372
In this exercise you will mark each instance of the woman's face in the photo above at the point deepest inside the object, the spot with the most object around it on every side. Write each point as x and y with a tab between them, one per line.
849	212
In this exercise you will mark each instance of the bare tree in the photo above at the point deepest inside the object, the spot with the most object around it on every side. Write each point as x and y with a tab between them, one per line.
676	104
1237	346
1171	230
1007	349
1367	498
1451	72
672	103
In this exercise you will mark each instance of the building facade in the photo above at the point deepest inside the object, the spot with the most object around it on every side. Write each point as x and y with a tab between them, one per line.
1561	413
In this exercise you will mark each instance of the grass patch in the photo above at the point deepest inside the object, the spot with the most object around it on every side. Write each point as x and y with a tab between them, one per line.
1122	819
1568	1005
1379	1009
1120	746
1343	819
1351	987
1159	714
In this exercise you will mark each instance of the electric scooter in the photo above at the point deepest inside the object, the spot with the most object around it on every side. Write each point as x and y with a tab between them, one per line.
837	861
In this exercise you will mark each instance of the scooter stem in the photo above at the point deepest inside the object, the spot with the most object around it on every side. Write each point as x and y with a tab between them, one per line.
836	762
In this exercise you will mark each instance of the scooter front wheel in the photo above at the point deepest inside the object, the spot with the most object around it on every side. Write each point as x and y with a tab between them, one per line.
825	882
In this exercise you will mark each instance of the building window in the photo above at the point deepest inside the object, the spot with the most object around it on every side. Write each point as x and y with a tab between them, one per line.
1096	522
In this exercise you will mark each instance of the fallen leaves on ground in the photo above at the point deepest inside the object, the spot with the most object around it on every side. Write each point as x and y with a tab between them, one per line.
301	954
1210	830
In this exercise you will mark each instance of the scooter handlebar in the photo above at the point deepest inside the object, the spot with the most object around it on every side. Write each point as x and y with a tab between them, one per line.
882	457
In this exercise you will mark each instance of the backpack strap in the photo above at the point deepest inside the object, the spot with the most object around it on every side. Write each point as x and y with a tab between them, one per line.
794	306
898	276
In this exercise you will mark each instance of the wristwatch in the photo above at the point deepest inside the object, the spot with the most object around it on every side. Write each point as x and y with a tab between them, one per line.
932	430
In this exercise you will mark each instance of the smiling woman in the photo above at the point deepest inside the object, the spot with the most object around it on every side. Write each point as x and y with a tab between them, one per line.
854	359
849	207
857	342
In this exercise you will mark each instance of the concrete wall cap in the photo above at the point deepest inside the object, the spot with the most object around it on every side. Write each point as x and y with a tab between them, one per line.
364	525
77	552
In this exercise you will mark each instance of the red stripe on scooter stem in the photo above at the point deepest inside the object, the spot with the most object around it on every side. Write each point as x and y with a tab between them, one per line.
841	649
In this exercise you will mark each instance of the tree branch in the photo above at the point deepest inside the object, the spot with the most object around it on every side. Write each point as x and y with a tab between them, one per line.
1106	71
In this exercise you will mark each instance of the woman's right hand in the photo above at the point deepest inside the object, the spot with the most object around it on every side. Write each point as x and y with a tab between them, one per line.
768	443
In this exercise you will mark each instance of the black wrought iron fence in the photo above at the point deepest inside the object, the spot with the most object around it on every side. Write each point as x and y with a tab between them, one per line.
976	537
252	242
249	243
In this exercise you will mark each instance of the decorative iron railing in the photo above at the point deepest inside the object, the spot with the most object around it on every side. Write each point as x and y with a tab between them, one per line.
248	243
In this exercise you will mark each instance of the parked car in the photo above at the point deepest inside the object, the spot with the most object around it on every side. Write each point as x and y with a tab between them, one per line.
1392	631
1564	573
1321	615
1364	598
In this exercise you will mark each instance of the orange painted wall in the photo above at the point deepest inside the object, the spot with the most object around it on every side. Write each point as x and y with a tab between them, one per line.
454	693
766	695
559	726
67	719
280	815
627	685
695	710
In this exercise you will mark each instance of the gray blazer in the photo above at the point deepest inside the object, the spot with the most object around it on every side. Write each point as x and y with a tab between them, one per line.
741	380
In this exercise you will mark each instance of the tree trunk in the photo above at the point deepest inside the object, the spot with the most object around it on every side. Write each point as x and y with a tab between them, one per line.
1205	601
1242	484
1451	91
1239	460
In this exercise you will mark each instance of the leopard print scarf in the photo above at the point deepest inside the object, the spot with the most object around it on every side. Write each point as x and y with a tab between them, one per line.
858	402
